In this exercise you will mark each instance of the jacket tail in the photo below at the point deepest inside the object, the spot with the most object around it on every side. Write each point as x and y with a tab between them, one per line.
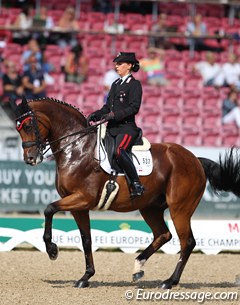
225	175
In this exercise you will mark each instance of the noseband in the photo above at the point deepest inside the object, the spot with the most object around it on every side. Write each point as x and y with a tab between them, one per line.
39	142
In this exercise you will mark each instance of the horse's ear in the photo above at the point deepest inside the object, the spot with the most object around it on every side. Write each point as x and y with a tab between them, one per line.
21	108
13	104
24	100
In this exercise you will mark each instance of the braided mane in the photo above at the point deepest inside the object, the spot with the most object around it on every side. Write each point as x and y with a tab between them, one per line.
58	102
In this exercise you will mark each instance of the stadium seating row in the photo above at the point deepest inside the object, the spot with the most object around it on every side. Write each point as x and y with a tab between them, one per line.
189	117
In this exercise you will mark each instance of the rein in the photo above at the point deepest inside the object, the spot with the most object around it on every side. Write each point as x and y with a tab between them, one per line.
83	132
42	144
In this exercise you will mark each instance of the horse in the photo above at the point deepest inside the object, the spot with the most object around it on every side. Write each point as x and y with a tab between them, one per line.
177	181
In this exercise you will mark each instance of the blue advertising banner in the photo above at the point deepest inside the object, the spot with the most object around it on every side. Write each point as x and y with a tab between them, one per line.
25	188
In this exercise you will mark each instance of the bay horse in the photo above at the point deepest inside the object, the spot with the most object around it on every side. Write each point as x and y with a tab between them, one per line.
177	181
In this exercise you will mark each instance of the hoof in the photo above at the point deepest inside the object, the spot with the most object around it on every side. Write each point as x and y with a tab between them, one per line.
82	284
168	284
237	282
137	276
53	252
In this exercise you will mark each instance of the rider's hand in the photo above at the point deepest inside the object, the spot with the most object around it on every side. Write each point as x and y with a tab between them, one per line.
92	118
109	116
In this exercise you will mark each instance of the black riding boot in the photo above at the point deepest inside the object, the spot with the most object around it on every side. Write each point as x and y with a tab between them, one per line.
129	169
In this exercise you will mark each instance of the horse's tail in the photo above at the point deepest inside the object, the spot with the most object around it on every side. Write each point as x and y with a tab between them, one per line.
225	175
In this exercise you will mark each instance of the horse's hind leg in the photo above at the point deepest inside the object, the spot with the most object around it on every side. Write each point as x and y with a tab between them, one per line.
187	243
83	222
153	215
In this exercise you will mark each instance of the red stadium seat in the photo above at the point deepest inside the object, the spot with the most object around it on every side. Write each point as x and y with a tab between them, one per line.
171	101
138	17
57	61
171	122
94	100
87	88
191	138
54	93
59	79
231	140
172	55
194	83
211	122
211	138
171	137
13	48
84	25
173	65
192	104
96	25
152	136
175	81
229	129
209	92
150	103
75	99
69	88
95	16
52	49
212	106
151	118
191	121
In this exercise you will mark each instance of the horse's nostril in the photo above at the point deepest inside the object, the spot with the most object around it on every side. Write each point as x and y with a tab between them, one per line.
30	160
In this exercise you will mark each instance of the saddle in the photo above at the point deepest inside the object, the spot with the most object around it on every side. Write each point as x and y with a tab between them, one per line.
140	153
109	145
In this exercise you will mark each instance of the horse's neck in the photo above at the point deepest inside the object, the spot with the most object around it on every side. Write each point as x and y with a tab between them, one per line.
65	124
67	128
64	121
74	151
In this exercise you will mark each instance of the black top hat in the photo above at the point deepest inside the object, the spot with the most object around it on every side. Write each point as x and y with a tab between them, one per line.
128	57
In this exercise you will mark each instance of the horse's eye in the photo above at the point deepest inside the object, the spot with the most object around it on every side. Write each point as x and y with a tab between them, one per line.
27	128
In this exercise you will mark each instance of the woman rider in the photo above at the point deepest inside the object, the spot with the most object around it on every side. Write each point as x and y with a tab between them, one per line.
123	103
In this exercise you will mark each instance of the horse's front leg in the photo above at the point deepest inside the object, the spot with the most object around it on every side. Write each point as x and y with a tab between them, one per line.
51	248
71	202
83	222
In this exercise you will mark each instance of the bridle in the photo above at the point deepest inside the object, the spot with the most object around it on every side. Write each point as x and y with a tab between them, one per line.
41	143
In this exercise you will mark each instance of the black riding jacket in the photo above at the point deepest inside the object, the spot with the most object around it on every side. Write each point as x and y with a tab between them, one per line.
124	101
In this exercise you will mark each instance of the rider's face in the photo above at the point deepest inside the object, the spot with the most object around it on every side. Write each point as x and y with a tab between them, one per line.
123	68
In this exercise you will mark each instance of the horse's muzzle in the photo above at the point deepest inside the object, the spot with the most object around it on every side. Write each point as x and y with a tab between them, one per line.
33	160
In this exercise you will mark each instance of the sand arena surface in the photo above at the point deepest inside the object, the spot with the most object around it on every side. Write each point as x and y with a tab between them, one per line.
30	278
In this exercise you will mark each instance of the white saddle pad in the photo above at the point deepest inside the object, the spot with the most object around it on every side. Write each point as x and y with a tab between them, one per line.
142	157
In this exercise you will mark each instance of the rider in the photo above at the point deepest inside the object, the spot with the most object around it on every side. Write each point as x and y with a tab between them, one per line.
123	103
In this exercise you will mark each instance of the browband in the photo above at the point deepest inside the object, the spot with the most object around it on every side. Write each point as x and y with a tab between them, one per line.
19	124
